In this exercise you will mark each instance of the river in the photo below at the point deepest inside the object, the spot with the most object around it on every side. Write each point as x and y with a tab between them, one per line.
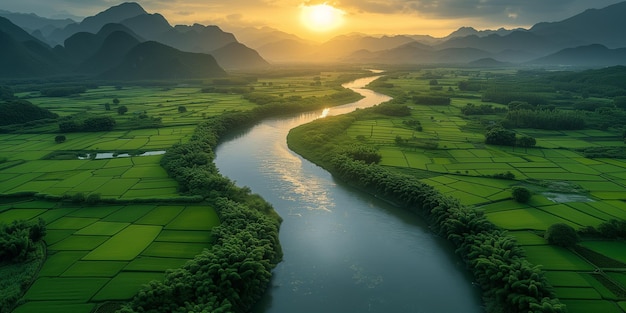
344	251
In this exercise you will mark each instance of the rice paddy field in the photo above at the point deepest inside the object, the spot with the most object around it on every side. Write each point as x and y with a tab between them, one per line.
106	253
567	187
102	253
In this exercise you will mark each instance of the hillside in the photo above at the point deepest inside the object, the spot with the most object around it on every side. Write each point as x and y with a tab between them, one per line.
154	61
22	55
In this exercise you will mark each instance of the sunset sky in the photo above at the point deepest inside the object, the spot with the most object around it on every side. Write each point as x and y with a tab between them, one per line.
432	17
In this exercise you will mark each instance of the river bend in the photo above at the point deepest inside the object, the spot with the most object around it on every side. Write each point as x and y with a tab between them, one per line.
344	251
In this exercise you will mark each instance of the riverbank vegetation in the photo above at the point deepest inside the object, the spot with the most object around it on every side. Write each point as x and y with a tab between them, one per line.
22	252
462	182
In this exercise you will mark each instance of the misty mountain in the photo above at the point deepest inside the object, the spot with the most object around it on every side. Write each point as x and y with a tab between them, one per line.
488	62
594	26
585	56
148	26
258	37
469	31
287	51
417	53
111	53
32	22
196	38
236	56
23	55
93	24
80	46
152	60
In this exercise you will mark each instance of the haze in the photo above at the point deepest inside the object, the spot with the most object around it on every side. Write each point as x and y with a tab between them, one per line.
428	17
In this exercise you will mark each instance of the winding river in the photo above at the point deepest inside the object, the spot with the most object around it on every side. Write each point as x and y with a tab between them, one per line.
344	251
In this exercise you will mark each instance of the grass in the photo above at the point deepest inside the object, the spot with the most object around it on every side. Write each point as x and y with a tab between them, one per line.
194	218
125	245
70	288
556	258
125	285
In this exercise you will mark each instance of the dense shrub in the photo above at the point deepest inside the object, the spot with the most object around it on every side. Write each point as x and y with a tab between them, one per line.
521	194
392	109
483	109
86	123
561	234
500	136
545	119
18	239
613	229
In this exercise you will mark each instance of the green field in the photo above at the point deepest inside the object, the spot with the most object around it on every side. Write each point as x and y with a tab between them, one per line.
95	257
450	154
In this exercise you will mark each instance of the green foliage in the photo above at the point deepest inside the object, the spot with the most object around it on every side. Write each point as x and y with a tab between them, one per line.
483	109
22	111
507	175
63	91
60	138
18	239
605	152
561	234
413	124
526	141
182	109
15	278
363	153
93	198
613	229
392	109
545	119
500	136
472	85
122	110
521	194
86	123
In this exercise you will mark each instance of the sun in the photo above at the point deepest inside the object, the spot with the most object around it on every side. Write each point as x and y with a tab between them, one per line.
321	17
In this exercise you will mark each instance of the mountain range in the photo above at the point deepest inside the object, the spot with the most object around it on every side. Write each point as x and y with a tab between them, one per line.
97	46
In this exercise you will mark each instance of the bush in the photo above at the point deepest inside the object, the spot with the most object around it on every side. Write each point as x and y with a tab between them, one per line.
561	234
521	194
59	139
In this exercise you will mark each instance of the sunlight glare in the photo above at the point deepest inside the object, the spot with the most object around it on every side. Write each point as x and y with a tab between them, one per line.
321	17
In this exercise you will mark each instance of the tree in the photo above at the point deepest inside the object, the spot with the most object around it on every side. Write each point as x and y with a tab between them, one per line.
60	139
521	194
561	234
182	109
526	142
116	101
107	106
500	136
121	110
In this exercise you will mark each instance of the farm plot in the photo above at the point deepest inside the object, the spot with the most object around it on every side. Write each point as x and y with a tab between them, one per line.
99	253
